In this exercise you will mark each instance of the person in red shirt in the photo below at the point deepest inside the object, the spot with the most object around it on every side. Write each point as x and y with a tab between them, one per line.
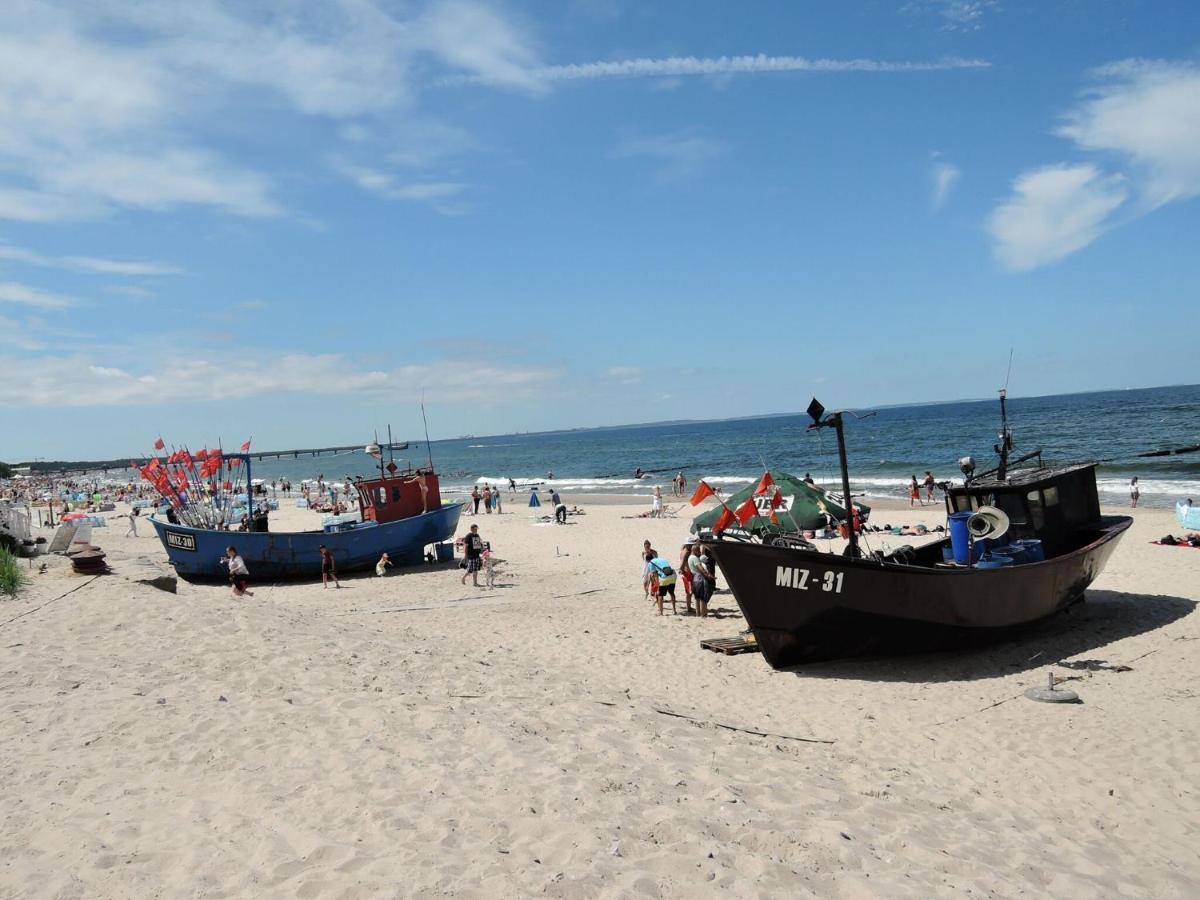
328	568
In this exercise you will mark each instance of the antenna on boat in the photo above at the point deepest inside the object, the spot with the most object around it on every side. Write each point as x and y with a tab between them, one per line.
428	448
834	421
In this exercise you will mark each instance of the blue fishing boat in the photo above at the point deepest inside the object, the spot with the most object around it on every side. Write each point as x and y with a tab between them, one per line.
401	514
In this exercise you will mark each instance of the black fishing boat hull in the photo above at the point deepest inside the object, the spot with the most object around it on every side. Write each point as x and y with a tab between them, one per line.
804	606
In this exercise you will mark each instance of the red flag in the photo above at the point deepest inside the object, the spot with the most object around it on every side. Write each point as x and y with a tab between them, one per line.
234	463
702	491
776	500
158	445
246	447
201	454
227	485
746	511
764	483
774	517
724	520
181	480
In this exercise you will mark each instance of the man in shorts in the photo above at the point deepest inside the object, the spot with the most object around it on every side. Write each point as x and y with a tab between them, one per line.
473	548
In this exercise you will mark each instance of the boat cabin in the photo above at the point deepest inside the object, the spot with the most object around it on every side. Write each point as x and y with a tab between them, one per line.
399	496
1058	505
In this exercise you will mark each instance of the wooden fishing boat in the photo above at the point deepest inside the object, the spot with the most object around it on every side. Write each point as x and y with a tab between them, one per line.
804	605
398	518
393	524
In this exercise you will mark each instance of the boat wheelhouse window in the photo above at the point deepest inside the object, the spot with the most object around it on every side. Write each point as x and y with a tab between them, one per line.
1050	495
1013	506
971	502
1036	511
381	496
396	494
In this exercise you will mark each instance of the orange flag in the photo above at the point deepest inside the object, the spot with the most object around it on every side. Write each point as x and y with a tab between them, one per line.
159	444
724	520
746	511
766	482
702	491
246	447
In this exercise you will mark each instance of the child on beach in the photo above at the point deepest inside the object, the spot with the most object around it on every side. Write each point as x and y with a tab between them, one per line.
383	565
328	568
489	567
239	575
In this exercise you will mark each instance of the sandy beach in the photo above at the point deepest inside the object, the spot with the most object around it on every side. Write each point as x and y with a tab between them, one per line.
409	736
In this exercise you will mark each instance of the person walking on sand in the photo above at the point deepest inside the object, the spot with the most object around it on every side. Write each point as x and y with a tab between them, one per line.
496	502
648	554
1134	493
476	497
656	510
560	508
135	512
328	567
487	498
914	492
929	484
703	579
239	575
512	485
473	548
685	575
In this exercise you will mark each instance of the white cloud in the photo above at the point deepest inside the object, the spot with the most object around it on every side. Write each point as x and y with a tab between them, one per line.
956	15
679	66
473	37
1053	212
680	156
1149	113
82	381
1143	122
17	334
11	292
386	185
85	263
945	177
625	374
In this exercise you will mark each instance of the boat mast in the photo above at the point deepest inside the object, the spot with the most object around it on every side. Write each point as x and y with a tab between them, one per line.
834	421
1006	441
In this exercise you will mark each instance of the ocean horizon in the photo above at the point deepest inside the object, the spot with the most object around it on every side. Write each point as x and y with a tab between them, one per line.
885	447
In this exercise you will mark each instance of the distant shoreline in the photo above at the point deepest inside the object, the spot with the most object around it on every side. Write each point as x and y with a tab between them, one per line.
44	466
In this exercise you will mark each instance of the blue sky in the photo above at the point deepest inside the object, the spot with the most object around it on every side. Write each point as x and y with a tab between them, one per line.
293	220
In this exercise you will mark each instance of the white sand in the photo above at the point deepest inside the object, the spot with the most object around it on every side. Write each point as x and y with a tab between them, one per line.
411	736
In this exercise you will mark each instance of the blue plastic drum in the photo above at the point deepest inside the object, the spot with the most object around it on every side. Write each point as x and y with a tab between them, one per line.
995	561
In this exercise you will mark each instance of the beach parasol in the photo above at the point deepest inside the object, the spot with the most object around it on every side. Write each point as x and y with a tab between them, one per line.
804	507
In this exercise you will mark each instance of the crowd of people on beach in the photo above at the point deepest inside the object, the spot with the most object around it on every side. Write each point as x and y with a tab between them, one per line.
696	570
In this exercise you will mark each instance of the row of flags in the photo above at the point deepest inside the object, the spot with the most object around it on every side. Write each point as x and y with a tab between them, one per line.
193	483
748	508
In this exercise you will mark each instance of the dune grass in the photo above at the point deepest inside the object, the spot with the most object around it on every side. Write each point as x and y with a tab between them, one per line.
12	579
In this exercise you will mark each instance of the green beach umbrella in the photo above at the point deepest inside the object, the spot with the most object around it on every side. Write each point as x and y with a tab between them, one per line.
804	507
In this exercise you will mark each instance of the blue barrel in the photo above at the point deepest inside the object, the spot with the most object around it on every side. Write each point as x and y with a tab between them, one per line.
1016	550
444	552
1034	552
995	561
960	538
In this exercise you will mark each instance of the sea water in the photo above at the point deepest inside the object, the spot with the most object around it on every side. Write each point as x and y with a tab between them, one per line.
884	449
